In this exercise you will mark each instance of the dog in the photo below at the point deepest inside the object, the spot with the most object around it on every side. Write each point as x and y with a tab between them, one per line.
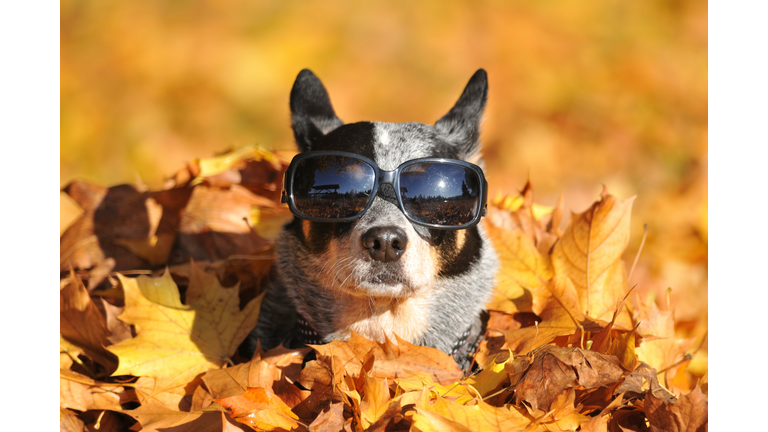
381	271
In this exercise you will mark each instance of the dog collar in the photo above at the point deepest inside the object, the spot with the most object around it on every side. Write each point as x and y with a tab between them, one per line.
307	335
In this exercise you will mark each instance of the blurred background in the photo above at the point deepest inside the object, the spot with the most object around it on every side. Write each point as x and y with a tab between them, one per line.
582	94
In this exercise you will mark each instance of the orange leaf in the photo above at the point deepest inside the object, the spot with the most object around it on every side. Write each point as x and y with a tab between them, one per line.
260	408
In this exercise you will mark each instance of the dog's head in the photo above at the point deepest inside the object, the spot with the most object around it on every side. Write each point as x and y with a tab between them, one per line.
383	254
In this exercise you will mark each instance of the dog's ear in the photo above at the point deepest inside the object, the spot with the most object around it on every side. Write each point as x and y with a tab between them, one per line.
461	126
312	115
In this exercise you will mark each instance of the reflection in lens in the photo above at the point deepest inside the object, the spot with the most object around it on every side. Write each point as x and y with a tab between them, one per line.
332	187
440	193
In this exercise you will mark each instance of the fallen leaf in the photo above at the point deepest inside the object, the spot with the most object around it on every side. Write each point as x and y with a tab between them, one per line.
155	417
77	391
523	272
555	369
216	224
68	421
259	408
375	400
119	331
644	380
331	420
389	360
83	325
119	212
688	414
176	342
442	415
589	255
660	346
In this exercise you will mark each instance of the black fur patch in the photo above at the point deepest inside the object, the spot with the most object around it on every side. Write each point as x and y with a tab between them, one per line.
458	261
357	138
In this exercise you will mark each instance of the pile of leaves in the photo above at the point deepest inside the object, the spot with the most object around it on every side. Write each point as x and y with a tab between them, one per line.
159	288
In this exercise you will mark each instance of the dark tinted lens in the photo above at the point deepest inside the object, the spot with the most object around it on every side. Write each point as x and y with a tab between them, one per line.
440	193
332	187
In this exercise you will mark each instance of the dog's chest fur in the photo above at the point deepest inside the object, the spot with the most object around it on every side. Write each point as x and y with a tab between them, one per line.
432	295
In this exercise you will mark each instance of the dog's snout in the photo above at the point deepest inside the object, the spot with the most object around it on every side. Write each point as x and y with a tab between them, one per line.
385	243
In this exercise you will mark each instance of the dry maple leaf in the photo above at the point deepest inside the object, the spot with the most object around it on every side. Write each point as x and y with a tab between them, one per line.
688	414
390	360
68	422
555	369
155	417
588	256
176	342
375	400
79	392
441	415
82	325
660	347
119	214
523	272
260	408
331	420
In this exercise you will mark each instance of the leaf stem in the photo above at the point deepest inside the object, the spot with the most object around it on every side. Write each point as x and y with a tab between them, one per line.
640	249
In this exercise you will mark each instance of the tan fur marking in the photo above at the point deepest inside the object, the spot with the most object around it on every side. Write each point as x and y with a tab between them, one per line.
461	238
305	228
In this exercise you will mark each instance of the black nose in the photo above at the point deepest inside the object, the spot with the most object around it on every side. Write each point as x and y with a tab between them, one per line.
386	243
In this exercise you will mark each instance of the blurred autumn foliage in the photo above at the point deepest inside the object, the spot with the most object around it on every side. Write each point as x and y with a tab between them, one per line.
581	95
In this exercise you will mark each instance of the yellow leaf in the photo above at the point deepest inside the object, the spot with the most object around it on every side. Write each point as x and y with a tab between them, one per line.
218	164
589	256
459	392
176	342
522	273
375	399
446	415
489	379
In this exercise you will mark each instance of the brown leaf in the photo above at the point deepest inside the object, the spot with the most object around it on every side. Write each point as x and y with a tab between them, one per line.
688	414
119	331
331	420
82	324
215	225
119	213
642	380
555	369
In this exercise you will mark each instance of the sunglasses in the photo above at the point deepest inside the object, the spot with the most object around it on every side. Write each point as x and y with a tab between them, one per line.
328	186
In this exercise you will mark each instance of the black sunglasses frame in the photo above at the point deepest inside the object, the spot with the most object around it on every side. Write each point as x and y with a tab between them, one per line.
383	177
